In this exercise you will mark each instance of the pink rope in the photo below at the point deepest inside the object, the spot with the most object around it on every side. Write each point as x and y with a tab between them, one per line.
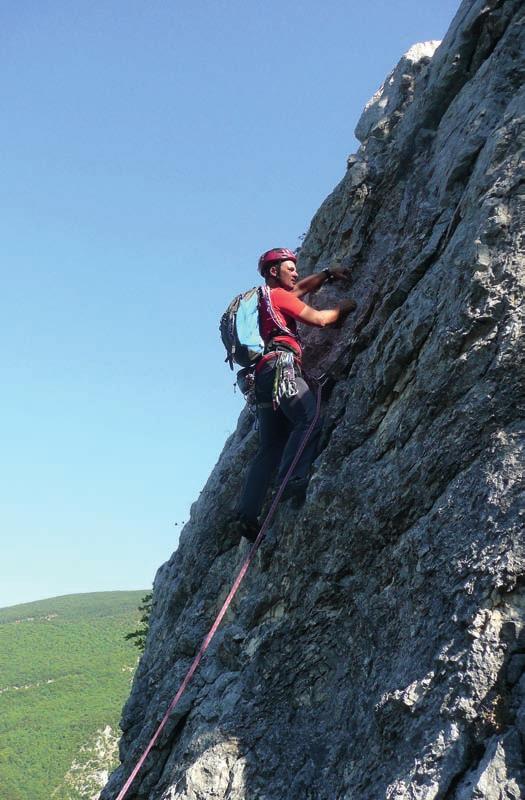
226	604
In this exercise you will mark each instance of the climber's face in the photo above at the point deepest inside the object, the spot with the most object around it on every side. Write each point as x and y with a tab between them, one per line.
288	275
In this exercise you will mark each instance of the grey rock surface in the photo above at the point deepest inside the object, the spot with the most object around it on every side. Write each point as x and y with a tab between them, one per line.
377	650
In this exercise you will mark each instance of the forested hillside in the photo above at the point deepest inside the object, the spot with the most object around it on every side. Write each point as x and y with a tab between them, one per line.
65	669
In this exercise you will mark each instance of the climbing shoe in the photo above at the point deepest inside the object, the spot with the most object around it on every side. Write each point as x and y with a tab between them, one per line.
248	528
295	490
233	528
267	549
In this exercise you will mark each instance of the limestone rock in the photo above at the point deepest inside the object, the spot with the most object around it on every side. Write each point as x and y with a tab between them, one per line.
386	107
90	770
378	649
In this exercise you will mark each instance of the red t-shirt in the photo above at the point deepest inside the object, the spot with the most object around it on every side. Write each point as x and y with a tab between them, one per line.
283	311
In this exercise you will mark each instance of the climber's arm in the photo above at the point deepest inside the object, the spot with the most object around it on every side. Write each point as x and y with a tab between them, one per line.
309	284
312	283
330	316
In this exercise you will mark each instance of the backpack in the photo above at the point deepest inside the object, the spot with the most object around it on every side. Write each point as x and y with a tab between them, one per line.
239	329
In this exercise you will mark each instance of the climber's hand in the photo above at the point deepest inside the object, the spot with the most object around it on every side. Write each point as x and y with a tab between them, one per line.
345	308
341	274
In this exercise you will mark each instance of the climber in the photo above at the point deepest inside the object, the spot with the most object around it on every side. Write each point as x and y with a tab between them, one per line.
285	403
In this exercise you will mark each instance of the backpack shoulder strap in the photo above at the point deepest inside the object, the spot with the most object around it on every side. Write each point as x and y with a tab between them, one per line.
266	302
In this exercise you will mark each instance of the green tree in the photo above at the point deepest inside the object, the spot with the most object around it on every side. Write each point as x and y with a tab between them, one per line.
139	636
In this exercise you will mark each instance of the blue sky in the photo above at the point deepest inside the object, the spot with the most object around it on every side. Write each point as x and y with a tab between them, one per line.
150	152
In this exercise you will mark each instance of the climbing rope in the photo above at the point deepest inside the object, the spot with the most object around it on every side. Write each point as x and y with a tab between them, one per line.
226	604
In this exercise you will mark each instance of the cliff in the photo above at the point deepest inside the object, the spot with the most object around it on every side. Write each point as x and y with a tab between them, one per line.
377	646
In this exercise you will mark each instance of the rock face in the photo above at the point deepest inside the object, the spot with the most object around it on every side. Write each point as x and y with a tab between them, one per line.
378	649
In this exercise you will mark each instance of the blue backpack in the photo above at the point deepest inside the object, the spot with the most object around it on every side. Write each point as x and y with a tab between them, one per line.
240	329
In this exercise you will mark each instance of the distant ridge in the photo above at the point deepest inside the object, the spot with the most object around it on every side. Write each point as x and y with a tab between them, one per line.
105	602
65	669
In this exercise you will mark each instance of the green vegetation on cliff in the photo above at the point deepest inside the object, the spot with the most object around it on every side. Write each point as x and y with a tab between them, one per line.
65	672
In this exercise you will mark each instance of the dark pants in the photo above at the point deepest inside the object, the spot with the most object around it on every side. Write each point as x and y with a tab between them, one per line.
280	435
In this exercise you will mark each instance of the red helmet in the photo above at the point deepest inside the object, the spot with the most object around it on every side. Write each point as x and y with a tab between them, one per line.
276	254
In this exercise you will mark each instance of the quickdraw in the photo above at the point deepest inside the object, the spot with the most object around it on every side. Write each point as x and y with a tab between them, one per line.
284	384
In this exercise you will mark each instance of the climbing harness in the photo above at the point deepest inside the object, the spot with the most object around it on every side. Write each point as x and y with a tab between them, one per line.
238	580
